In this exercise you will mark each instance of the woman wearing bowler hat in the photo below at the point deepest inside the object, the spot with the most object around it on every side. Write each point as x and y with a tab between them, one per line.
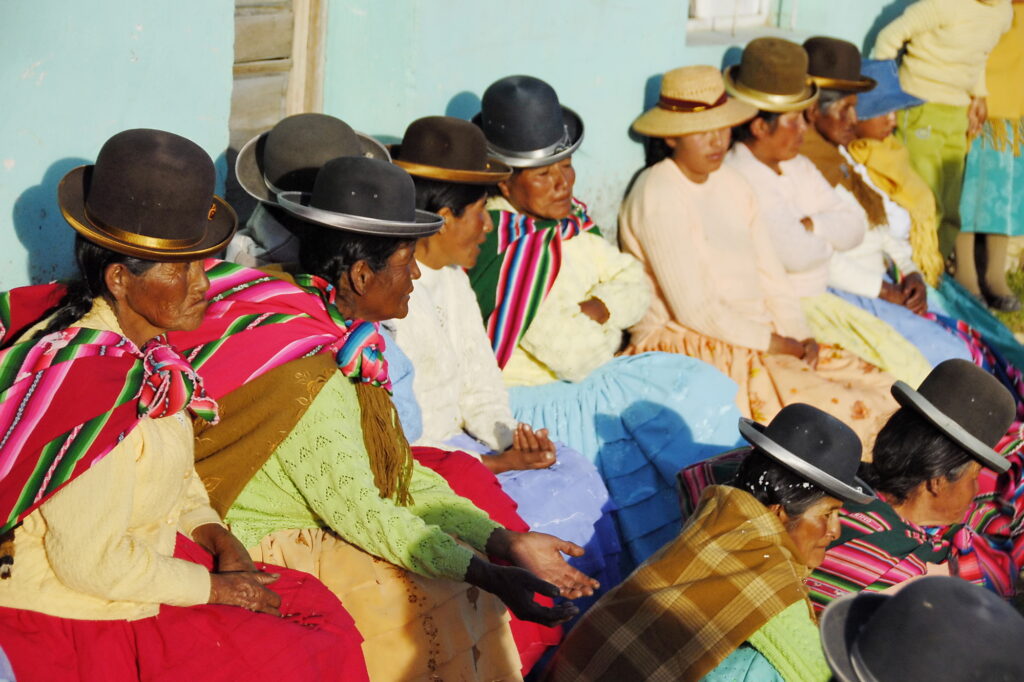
807	219
556	298
457	386
723	296
114	565
336	491
725	600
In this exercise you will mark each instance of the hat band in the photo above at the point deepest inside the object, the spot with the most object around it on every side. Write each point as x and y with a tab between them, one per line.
686	106
768	97
859	665
134	238
843	84
492	174
292	202
550	150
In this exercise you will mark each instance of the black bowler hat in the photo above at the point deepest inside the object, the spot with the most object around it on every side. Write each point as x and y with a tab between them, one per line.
448	149
935	628
814	445
835	64
525	125
287	157
368	196
967	404
149	195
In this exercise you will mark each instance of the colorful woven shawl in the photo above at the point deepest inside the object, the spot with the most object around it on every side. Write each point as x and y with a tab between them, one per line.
517	267
68	398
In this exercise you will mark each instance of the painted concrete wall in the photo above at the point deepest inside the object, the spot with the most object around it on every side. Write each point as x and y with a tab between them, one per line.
74	73
392	61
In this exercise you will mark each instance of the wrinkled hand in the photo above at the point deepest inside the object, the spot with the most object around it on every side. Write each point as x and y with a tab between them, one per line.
595	309
246	590
541	554
515	587
786	345
977	114
228	552
530	450
891	293
811	351
915	293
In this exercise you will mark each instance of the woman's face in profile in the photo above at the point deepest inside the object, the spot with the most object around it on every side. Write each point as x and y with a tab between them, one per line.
387	290
167	296
814	530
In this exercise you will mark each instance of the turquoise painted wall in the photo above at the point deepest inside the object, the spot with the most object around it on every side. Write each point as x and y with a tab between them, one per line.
392	61
74	73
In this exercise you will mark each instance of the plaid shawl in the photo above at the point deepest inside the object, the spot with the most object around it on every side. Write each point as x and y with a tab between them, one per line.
69	398
516	269
692	603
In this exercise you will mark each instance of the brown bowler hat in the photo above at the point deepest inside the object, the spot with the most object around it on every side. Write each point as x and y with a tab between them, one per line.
835	65
772	75
149	195
448	149
692	100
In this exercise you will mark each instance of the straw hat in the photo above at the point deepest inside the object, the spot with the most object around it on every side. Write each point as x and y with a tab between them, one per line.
692	100
149	195
772	76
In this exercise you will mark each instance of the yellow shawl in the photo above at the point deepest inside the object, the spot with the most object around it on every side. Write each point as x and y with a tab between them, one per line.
1004	76
888	164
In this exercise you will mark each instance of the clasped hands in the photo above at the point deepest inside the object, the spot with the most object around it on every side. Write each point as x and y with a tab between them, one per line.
530	450
235	580
911	293
537	568
807	349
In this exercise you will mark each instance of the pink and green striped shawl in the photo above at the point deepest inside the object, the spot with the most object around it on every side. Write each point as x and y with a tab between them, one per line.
67	399
517	267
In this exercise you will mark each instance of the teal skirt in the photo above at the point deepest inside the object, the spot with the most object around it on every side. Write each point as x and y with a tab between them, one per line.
993	196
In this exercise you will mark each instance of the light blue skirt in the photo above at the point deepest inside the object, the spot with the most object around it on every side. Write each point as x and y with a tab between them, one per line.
640	419
957	302
992	201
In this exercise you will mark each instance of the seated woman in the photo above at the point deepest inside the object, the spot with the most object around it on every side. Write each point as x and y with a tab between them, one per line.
725	600
310	463
807	219
887	163
925	469
462	401
723	296
123	570
556	298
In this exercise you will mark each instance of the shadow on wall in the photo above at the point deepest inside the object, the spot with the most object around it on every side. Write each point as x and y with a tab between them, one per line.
463	105
42	230
885	17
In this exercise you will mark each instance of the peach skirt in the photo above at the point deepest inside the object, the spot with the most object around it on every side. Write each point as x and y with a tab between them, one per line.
414	628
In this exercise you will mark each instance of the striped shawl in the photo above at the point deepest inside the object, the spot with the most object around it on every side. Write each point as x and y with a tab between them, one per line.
690	605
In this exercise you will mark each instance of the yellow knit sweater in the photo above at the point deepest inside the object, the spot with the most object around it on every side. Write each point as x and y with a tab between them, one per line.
948	42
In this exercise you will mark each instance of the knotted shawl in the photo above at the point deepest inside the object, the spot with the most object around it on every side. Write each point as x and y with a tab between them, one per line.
830	162
730	571
888	164
517	267
68	398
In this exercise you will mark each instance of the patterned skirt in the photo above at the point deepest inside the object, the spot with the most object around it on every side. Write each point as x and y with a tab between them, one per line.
993	195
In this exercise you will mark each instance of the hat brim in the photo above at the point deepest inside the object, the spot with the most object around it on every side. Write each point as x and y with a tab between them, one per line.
658	122
862	85
71	199
767	101
297	205
540	157
840	624
495	170
754	434
250	175
908	397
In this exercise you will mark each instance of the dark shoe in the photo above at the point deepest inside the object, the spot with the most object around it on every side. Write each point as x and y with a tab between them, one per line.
1005	304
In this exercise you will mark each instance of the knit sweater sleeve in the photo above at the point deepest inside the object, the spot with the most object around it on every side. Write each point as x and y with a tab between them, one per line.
791	643
326	459
921	16
96	553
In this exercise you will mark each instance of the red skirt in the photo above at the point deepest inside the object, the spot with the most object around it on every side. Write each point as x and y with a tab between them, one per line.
472	480
317	641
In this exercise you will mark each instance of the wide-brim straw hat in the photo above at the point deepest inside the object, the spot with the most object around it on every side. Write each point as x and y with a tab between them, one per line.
772	76
365	196
525	124
815	446
692	100
149	195
287	157
835	64
448	149
965	403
